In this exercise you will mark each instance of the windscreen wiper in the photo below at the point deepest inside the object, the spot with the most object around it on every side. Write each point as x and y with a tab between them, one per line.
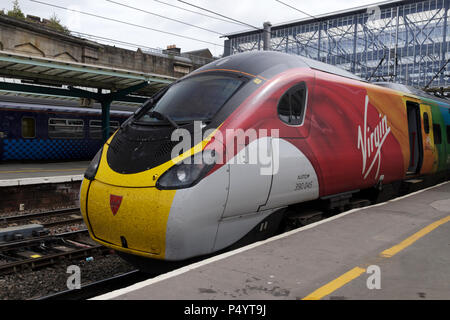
161	116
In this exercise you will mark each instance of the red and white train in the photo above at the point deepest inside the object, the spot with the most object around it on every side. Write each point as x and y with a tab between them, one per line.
325	134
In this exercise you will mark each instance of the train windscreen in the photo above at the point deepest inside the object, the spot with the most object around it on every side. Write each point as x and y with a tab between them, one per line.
195	98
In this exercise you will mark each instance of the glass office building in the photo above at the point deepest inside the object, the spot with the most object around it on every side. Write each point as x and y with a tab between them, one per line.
398	41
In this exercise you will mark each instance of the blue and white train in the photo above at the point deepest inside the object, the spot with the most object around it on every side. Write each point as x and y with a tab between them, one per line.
40	131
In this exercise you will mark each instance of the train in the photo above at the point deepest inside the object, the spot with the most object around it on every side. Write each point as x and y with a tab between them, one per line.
277	132
42	130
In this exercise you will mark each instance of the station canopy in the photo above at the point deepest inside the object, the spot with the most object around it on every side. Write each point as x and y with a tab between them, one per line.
50	77
54	72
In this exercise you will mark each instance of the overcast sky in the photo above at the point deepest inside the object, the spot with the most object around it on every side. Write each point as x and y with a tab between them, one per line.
253	12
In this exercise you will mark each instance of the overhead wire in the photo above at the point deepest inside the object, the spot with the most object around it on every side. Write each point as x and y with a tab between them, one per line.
316	19
127	44
196	12
183	36
125	22
324	51
163	17
219	14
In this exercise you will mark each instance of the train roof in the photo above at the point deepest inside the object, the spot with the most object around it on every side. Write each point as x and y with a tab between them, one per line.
269	63
55	106
411	90
51	101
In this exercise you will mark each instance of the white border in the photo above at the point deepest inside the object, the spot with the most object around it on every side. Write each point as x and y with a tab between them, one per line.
177	272
40	180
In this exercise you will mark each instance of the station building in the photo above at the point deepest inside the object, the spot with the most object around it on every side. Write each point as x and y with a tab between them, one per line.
400	41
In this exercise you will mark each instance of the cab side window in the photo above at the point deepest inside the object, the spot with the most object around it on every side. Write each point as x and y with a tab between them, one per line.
292	105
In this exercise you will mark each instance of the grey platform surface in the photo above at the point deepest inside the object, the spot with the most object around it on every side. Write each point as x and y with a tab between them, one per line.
20	171
293	265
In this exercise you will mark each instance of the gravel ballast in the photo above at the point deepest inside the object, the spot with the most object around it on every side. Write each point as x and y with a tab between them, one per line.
31	284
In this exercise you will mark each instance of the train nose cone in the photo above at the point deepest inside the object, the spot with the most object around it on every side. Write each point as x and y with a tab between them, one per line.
136	217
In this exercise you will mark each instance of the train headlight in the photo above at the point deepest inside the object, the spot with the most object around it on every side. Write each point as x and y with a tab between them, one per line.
182	174
91	171
185	175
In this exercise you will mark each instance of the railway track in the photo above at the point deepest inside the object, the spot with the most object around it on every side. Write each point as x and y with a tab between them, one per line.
36	224
96	288
46	250
63	222
27	218
303	215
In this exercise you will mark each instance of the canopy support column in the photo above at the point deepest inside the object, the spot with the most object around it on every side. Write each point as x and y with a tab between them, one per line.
106	107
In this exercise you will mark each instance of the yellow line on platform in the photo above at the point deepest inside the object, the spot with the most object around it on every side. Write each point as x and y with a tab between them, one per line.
357	271
410	240
335	284
31	171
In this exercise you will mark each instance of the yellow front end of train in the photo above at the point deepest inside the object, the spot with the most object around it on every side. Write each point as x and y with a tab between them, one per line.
127	212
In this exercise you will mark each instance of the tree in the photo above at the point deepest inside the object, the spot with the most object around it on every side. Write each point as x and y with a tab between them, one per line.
55	23
16	12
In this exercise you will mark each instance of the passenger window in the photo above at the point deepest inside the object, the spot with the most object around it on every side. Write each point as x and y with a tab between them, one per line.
95	128
426	123
437	134
65	128
28	127
292	105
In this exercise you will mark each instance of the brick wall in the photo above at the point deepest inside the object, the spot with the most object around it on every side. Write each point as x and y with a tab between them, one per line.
39	197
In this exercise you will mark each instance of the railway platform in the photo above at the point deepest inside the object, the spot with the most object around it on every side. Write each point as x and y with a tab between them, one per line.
27	187
395	250
37	172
